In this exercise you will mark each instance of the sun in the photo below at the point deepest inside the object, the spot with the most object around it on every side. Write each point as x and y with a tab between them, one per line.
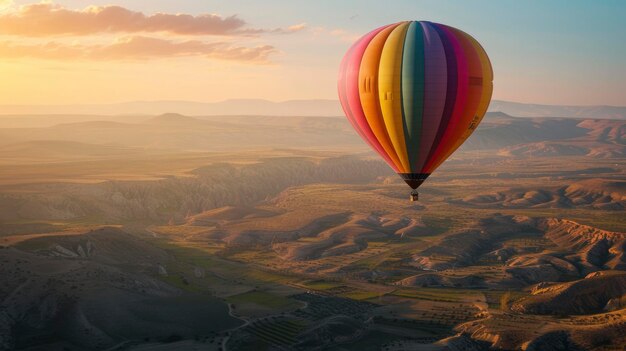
5	5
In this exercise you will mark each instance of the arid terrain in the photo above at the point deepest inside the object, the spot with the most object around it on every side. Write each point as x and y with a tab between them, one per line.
161	232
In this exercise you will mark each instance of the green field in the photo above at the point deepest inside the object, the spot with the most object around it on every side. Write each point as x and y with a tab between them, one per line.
262	298
436	294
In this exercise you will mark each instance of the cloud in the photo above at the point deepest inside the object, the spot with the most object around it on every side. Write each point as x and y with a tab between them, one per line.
292	29
337	33
144	36
136	48
48	19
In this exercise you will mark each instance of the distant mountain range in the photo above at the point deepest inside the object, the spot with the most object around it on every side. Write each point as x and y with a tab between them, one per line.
290	108
518	109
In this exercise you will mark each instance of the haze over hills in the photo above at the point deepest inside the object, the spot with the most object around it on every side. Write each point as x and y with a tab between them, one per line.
509	135
259	107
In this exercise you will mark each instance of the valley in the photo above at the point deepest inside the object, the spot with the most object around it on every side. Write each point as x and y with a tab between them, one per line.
255	233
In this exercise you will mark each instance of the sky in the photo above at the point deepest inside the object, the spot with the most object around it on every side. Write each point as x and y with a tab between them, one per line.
85	52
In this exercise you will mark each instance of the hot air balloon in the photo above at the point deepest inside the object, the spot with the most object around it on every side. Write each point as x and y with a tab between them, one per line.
414	91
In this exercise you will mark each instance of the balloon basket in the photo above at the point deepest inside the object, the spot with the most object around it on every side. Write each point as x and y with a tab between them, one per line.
414	196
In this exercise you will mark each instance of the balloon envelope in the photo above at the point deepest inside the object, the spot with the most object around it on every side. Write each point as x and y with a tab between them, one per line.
414	91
